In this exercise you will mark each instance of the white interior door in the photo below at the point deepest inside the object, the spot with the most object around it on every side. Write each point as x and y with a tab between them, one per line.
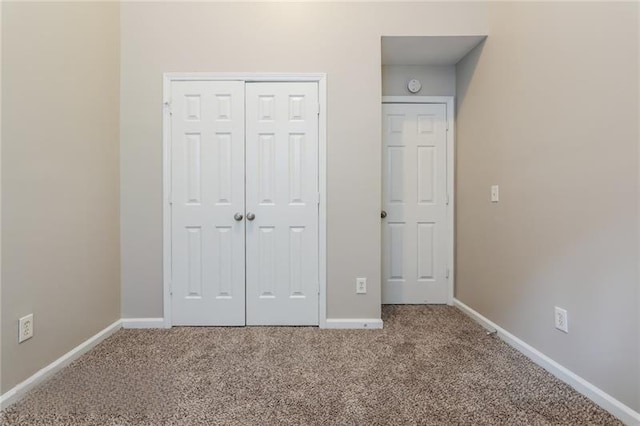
414	232
282	194
207	190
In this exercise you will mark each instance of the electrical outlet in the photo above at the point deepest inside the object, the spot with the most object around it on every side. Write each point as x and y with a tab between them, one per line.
361	285
26	328
562	320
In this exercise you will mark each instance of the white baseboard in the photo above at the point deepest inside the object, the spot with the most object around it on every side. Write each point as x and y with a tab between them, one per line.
346	323
597	395
142	322
15	394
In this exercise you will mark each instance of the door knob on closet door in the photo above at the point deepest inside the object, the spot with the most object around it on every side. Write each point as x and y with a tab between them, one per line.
251	216
237	217
383	214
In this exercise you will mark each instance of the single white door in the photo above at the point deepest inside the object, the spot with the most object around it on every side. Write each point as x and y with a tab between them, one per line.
282	203
207	190
414	190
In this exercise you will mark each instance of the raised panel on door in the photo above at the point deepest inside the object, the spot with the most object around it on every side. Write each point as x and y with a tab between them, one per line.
207	189
414	191
282	193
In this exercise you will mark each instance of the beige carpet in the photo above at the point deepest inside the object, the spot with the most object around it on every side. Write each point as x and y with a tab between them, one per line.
430	365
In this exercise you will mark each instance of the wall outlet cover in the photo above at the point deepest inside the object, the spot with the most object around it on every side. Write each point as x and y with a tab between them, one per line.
25	330
561	319
361	285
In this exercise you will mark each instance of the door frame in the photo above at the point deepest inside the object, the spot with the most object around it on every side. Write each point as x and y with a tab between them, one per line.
449	101
321	79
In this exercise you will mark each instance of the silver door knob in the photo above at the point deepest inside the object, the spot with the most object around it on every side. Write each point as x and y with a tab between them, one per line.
383	214
251	216
237	217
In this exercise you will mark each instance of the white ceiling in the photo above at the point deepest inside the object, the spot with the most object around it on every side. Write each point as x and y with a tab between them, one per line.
427	50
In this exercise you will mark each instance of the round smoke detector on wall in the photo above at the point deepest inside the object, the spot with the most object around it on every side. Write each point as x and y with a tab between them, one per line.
414	85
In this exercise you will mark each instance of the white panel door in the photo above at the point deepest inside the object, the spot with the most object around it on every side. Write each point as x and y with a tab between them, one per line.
207	190
414	191
282	194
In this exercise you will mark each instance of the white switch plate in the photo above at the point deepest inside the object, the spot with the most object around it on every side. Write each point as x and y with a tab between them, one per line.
25	330
361	285
561	319
495	193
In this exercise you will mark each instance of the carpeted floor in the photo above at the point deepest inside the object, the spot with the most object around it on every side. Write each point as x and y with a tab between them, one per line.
430	365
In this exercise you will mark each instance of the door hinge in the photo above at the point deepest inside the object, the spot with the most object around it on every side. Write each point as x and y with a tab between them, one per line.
170	289
167	105
447	125
447	199
318	198
447	274
318	109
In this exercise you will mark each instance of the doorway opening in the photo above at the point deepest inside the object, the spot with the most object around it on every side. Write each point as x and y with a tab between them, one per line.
418	158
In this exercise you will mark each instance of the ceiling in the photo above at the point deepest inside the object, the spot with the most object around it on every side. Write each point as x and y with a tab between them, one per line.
427	50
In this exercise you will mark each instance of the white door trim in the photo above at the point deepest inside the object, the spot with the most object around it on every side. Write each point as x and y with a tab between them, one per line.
321	79
449	102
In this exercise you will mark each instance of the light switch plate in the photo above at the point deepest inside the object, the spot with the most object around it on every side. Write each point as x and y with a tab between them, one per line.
495	193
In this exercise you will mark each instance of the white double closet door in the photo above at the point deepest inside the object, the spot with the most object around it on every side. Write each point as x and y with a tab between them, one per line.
244	203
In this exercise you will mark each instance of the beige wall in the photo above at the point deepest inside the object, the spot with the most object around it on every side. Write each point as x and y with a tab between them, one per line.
60	241
343	40
548	109
1	56
435	80
638	216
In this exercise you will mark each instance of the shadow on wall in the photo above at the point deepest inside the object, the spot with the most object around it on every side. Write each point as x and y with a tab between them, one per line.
463	81
464	75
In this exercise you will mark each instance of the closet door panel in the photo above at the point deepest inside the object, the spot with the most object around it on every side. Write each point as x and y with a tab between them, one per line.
282	199
207	190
